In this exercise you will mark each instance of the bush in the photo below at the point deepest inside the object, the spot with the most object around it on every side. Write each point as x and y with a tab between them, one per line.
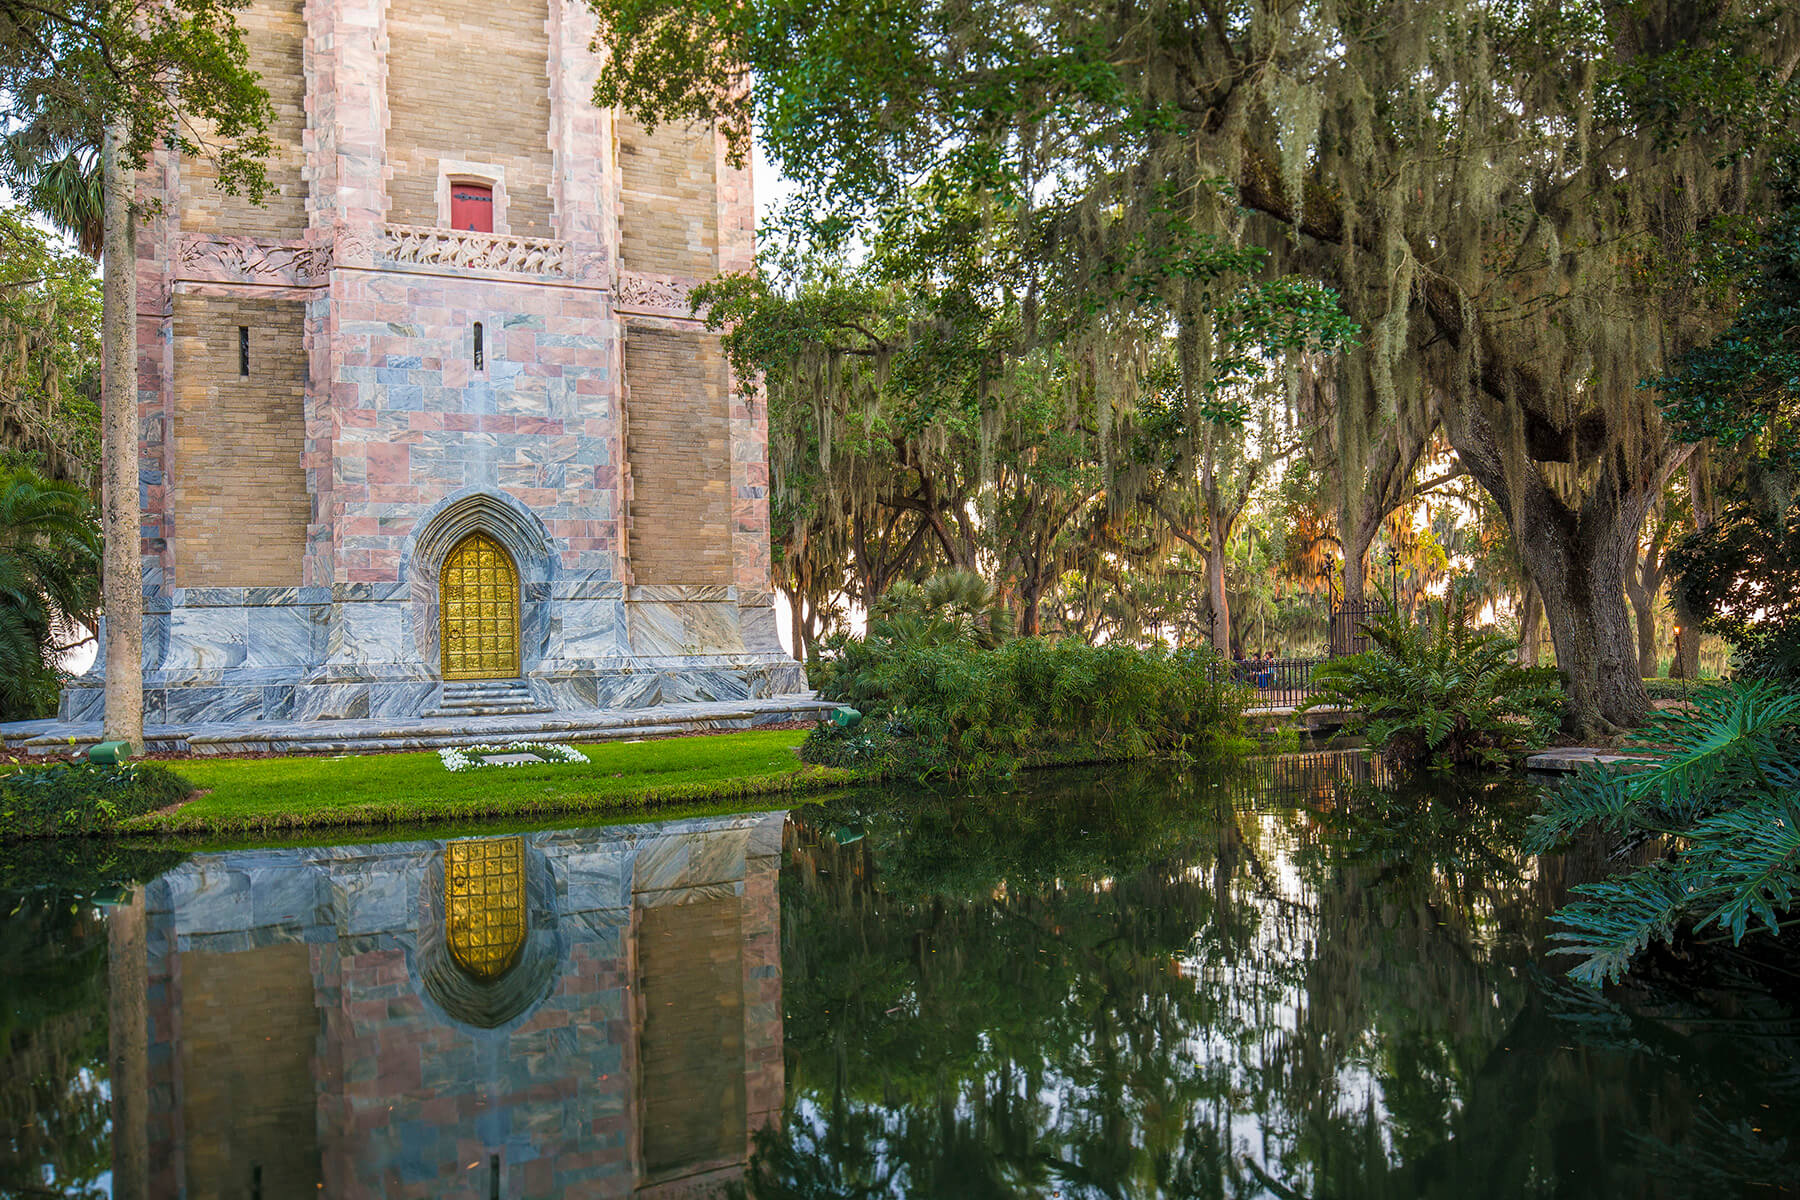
946	707
1675	689
1441	694
71	799
1724	790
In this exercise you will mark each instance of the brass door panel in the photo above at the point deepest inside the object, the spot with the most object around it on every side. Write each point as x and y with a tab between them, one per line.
484	904
478	611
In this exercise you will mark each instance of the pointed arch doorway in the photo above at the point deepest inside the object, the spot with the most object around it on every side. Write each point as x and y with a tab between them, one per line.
478	611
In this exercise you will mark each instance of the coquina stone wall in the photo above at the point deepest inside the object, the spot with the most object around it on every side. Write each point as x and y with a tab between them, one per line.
296	516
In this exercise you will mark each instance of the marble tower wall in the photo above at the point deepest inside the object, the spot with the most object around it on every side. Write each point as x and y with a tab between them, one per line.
399	428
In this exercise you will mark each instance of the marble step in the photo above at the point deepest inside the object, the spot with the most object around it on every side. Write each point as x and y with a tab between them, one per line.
416	733
486	698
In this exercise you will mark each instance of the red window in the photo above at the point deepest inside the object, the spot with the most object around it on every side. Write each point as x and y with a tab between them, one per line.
472	207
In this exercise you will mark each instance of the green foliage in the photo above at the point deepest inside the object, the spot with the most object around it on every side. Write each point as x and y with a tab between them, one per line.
1534	185
1742	576
1722	786
49	581
177	74
49	350
952	607
1742	389
1440	693
81	798
939	704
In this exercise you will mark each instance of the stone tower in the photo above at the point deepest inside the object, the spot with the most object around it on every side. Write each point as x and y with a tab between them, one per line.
437	410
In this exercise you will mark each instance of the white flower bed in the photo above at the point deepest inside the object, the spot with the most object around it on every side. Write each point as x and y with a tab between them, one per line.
467	758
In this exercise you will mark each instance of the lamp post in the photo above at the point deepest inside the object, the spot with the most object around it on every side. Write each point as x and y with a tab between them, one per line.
1393	557
1328	577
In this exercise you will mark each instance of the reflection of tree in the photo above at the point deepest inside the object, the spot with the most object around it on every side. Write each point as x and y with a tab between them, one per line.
54	1119
1141	987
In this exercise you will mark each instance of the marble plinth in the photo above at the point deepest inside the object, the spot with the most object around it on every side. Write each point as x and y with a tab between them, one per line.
370	652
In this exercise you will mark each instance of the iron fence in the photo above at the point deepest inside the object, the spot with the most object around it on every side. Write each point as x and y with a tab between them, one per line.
1278	682
1315	777
1347	622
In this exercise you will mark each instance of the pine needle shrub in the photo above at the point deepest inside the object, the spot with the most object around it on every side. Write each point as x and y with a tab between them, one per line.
1439	693
1720	783
938	705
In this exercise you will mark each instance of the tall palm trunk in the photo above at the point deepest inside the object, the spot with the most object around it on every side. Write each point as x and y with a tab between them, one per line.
123	592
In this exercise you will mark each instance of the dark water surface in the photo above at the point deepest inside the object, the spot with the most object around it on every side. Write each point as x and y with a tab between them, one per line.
1289	982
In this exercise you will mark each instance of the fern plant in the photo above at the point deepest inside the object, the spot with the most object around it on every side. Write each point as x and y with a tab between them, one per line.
1720	782
1439	693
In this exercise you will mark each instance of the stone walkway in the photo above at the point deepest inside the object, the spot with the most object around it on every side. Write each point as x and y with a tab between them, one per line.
1568	759
429	733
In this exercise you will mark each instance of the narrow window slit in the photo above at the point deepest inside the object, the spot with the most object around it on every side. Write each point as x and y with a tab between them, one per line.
480	355
244	351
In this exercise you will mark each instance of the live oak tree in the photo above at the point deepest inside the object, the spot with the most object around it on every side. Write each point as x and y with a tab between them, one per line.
1516	201
91	88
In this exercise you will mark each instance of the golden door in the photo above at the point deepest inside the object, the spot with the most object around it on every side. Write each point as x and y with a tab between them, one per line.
484	904
478	611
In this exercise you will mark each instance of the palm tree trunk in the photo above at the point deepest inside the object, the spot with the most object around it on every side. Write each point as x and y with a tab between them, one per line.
122	580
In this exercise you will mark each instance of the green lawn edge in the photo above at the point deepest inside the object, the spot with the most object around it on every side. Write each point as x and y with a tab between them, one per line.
268	796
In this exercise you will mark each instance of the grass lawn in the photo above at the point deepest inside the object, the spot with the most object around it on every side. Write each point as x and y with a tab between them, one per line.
265	794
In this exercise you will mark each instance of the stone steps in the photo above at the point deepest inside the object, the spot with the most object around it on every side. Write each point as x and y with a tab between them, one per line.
343	737
486	698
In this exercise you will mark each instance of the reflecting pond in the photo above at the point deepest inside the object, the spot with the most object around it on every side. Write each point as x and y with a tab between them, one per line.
1292	979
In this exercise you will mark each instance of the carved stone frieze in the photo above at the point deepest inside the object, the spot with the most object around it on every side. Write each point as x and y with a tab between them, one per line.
210	257
471	251
660	293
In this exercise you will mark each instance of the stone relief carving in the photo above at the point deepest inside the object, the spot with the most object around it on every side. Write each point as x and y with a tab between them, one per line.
208	257
474	251
662	292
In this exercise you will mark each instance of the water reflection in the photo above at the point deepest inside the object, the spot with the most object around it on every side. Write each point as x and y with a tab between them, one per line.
1147	987
579	1012
1299	981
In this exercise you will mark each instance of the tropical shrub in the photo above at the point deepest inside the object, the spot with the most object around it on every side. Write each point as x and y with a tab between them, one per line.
1719	784
938	705
960	605
1439	693
69	799
49	579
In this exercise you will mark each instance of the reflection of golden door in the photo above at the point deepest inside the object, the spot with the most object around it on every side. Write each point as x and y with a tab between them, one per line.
478	611
484	904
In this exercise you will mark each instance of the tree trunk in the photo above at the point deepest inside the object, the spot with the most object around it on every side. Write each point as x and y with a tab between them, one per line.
1687	637
1031	597
1219	606
1643	609
122	592
1577	560
796	624
1356	557
128	1047
1531	624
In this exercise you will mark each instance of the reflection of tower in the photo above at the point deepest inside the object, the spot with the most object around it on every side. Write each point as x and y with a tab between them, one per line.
592	1012
708	1010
